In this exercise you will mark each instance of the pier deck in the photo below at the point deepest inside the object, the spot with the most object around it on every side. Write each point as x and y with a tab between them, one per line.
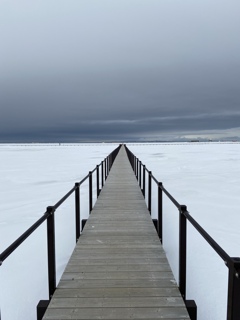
118	269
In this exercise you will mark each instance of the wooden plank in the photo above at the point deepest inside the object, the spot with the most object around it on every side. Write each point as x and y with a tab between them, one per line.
129	302
119	283
116	292
118	269
144	261
117	313
118	275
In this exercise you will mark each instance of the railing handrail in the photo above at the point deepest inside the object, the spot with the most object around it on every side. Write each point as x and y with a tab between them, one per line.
233	263
219	250
205	235
11	248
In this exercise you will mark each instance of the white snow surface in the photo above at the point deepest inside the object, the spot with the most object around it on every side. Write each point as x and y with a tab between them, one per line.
203	176
32	178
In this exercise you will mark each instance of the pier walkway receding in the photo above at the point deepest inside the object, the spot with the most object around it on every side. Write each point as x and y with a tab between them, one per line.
118	269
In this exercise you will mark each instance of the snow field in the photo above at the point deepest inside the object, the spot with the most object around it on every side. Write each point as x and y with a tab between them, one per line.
32	178
205	177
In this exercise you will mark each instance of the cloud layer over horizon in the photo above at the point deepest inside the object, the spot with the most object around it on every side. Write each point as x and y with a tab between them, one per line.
106	70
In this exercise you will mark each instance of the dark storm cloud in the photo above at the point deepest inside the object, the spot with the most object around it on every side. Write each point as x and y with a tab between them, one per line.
105	70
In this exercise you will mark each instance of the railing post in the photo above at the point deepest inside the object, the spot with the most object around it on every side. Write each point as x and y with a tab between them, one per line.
137	168
41	308
105	168
97	180
233	307
140	174
84	221
131	158
160	212
90	191
111	161
102	172
144	180
77	209
182	250
149	191
51	251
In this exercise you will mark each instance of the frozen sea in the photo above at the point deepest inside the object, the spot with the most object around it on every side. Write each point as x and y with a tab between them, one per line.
203	176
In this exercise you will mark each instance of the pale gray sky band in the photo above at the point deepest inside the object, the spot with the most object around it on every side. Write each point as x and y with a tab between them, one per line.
132	69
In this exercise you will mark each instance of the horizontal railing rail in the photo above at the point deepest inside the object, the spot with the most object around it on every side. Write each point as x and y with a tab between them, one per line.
233	263
49	215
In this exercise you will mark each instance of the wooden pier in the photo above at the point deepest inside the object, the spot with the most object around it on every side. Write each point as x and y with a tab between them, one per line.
118	269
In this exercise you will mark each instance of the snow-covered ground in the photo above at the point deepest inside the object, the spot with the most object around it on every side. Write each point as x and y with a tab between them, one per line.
205	177
33	177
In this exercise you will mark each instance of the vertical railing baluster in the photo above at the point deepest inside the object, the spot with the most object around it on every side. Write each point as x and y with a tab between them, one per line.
144	180
140	174
233	307
102	174
182	250
111	161
105	168
77	210
160	212
135	165
137	168
51	251
90	191
97	180
150	192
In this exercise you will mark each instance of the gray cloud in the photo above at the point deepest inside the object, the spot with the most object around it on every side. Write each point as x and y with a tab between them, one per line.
104	70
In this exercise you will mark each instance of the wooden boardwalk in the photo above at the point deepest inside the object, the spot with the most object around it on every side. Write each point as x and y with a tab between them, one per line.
118	269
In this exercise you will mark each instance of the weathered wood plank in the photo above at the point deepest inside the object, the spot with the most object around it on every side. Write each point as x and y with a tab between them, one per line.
119	283
144	261
117	313
118	275
129	302
116	292
120	268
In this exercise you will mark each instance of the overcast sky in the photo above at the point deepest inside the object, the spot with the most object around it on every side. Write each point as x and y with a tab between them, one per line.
73	70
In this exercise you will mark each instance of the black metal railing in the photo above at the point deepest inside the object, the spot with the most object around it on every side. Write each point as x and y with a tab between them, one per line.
49	216
233	263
